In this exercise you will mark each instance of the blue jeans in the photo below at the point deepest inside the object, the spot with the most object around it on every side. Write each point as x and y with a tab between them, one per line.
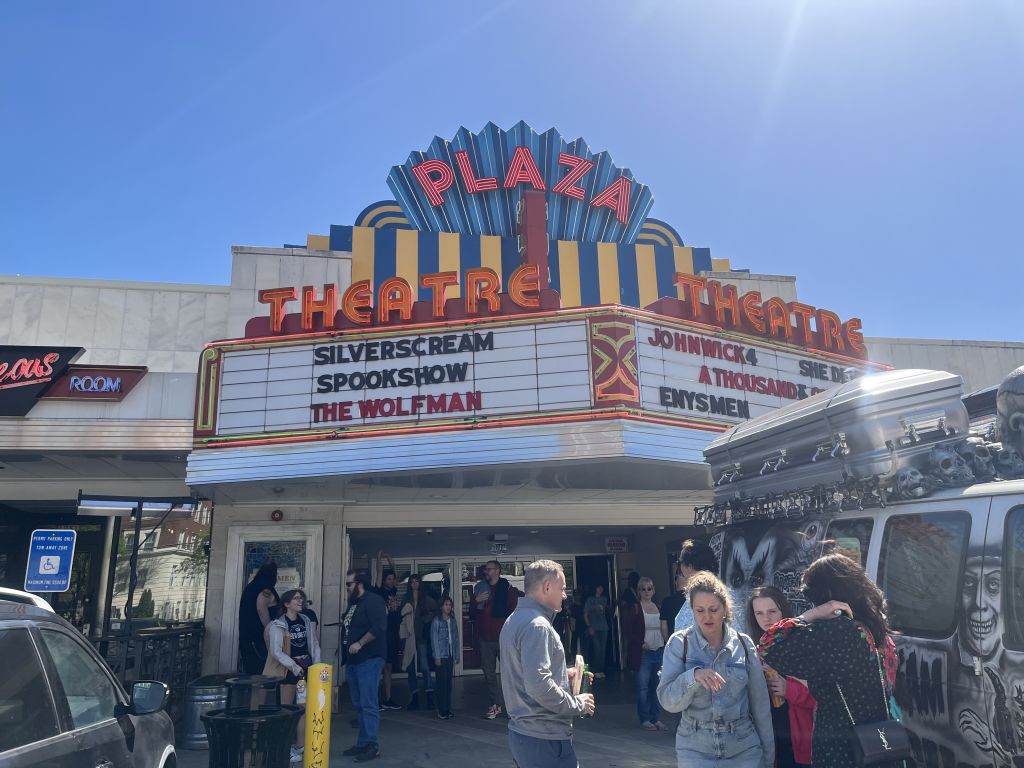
598	651
530	752
363	684
420	663
703	744
647	708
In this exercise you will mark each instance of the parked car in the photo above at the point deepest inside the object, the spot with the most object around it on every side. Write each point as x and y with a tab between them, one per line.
60	705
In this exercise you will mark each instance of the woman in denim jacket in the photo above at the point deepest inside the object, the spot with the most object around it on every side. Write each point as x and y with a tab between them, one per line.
712	675
445	647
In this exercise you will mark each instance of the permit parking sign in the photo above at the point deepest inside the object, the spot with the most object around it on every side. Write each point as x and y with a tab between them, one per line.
50	553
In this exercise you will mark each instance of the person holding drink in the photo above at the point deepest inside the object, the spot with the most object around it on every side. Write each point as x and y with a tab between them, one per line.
292	647
536	683
792	703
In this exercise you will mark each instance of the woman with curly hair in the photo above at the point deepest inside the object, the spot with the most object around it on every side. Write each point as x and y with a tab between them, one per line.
842	648
712	676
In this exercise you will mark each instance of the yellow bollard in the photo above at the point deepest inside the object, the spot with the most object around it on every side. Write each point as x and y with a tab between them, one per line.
318	717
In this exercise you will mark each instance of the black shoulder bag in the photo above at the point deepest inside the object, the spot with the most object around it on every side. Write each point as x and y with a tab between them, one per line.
886	741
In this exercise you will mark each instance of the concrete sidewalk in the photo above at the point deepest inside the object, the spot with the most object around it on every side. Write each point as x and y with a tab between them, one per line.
612	739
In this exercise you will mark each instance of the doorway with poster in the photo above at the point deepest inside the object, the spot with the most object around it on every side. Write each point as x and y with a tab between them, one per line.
297	550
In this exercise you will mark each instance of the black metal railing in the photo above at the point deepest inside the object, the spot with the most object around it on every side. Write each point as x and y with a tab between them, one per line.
172	655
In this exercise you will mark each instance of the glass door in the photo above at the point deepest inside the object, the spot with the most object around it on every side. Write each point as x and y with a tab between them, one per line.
297	550
436	581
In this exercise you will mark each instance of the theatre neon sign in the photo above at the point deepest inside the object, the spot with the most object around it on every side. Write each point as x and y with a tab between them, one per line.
707	302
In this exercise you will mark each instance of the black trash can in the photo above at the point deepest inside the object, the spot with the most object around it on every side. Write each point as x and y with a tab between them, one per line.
251	738
252	691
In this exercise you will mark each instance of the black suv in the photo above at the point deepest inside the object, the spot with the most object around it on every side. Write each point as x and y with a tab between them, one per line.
61	706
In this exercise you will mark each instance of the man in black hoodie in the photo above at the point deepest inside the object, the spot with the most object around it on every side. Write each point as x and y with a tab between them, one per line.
364	645
253	615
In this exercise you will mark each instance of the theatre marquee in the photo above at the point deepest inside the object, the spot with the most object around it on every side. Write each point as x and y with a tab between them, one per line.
602	362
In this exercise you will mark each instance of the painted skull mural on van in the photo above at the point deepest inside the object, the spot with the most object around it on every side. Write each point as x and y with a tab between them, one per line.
760	555
980	631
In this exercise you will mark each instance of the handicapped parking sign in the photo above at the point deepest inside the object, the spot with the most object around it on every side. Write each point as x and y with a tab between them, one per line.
50	554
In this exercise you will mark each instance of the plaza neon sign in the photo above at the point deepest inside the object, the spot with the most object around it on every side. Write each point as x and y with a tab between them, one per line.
473	183
436	177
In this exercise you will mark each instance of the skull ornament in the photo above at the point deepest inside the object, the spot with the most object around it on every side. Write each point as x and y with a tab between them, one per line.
1010	410
976	452
1008	461
950	469
911	483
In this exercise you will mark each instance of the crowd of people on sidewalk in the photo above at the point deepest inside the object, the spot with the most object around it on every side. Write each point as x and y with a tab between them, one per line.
788	692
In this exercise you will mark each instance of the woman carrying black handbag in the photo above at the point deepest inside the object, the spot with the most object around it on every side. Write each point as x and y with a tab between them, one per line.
843	649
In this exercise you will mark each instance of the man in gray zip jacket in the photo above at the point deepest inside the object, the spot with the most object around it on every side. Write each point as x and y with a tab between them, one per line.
534	680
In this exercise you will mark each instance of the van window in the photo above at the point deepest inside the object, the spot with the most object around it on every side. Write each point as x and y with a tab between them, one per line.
852	537
919	571
26	710
1013	590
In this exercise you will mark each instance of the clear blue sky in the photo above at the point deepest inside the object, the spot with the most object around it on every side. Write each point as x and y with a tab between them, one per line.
872	148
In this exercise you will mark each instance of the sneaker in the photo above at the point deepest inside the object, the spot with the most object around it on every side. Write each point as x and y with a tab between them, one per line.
389	704
442	716
493	712
647	725
370	752
355	749
659	725
295	755
449	716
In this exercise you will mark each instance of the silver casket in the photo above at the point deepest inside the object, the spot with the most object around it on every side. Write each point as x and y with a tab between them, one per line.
871	427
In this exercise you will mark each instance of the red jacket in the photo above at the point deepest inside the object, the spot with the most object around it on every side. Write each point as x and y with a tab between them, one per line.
801	719
633	632
489	626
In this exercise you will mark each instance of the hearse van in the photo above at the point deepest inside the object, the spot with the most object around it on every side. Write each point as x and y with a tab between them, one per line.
888	469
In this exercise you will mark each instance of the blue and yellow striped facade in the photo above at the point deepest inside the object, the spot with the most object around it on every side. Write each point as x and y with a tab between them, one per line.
584	273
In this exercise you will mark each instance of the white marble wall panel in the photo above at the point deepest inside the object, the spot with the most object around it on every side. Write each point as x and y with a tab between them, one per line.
110	317
138	321
28	304
80	318
7	293
191	330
